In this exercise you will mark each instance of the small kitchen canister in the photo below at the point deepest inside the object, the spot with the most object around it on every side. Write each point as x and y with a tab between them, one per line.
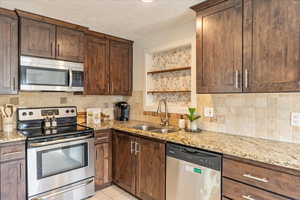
93	116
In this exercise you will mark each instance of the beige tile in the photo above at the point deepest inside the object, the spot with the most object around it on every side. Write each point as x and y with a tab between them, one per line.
112	193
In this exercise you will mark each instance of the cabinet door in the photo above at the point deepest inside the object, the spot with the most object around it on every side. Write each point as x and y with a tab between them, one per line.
97	66
151	170
70	44
13	180
37	38
272	45
103	164
124	161
219	48
120	68
8	55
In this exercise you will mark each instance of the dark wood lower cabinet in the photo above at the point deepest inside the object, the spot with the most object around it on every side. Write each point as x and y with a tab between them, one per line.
139	166
124	161
12	172
103	159
150	170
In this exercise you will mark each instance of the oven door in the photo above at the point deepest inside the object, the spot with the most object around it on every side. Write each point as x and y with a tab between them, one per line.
51	166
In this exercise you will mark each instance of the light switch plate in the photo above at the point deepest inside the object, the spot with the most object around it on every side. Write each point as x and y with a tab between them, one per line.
208	112
295	119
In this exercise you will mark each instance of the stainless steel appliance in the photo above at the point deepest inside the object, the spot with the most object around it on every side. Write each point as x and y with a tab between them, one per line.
40	74
60	154
122	110
192	174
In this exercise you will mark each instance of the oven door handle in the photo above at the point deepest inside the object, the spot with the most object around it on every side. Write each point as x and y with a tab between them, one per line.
70	188
41	144
70	77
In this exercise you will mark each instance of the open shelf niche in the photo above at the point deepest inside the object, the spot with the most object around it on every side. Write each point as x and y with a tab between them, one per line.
168	76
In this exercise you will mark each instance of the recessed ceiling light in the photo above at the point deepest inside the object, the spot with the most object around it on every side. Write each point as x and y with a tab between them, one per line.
147	1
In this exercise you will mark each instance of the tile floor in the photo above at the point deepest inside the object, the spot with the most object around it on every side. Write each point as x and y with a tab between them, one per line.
112	193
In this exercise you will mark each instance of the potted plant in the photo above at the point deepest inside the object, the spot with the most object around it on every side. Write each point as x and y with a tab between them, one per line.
192	116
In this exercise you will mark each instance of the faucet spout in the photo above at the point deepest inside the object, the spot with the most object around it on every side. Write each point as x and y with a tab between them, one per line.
164	120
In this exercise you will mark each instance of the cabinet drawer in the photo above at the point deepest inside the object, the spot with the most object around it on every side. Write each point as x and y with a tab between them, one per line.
102	137
268	179
16	151
239	191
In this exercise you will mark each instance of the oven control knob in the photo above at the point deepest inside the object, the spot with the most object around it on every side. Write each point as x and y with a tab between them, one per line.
24	113
72	111
67	111
30	113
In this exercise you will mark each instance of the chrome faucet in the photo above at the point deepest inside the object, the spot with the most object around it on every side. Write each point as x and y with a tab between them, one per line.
163	121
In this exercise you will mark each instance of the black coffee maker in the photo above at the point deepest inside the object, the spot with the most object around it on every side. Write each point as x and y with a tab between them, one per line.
122	110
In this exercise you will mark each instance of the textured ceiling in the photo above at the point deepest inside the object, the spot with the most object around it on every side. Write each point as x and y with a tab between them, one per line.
131	19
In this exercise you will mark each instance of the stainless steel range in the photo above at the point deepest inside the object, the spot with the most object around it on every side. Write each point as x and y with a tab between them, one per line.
60	154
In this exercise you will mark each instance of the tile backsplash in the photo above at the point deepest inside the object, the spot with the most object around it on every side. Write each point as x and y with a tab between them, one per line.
265	116
48	99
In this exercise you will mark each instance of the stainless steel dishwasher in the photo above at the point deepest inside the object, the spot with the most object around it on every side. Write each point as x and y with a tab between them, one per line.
192	174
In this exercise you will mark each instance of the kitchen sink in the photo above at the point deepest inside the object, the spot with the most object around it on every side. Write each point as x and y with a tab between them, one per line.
145	127
164	130
155	129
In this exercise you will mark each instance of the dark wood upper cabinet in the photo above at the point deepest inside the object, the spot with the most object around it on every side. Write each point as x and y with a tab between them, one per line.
37	38
70	44
51	38
8	52
150	170
272	45
120	68
219	48
248	46
124	162
97	66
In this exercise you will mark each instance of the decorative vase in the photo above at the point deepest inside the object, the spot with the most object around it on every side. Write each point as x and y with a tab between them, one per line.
193	125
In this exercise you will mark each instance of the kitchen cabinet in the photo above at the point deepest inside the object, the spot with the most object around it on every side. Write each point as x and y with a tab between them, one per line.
248	46
8	52
124	162
120	68
97	65
219	48
103	160
12	171
50	38
272	45
108	65
37	38
150	175
139	166
70	44
244	178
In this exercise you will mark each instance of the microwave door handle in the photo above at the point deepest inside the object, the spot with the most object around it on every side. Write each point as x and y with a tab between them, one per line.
71	77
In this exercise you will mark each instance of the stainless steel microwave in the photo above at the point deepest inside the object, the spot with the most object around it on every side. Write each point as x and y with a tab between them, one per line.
40	74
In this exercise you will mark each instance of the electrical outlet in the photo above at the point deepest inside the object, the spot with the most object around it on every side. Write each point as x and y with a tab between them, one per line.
295	119
208	112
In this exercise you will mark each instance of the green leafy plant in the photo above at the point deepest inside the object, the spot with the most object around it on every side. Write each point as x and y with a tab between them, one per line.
192	114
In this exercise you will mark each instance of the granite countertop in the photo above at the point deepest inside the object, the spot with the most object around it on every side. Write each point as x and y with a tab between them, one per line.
14	136
266	151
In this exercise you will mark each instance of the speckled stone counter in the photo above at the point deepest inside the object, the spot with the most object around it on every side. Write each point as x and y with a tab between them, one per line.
266	151
11	137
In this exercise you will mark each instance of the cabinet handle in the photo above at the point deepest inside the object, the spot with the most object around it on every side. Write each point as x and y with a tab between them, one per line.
96	154
57	49
131	147
21	167
263	180
14	83
248	197
51	48
246	78
137	148
237	79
